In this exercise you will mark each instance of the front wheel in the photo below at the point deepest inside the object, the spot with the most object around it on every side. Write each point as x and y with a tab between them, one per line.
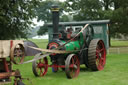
96	55
40	67
72	66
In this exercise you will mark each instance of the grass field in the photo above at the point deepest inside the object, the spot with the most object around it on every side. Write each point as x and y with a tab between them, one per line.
119	43
114	73
42	43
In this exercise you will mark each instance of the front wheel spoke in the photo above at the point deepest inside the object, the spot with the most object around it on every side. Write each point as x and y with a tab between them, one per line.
72	61
72	72
76	61
71	66
43	65
75	66
40	71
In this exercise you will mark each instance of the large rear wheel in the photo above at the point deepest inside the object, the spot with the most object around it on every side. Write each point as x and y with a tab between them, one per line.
96	55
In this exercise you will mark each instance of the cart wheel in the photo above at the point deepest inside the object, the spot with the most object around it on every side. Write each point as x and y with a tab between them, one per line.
96	55
17	54
72	66
40	67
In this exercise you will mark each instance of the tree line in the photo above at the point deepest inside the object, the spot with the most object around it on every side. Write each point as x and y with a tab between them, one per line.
16	15
81	10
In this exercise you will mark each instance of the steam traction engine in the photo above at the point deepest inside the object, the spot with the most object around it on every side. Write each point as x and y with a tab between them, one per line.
79	46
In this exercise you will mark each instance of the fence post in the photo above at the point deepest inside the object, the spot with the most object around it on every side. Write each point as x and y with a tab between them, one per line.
118	50
108	50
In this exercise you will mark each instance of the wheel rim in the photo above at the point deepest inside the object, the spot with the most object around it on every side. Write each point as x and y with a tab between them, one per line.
17	54
42	66
100	55
73	67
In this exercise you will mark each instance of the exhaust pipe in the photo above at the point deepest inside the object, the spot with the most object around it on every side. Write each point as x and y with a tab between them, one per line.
55	18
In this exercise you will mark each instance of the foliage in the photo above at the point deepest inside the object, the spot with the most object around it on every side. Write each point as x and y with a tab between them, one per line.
43	30
15	17
84	9
119	21
115	10
44	13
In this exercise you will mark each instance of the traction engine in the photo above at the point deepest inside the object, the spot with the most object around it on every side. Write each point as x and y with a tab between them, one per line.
79	47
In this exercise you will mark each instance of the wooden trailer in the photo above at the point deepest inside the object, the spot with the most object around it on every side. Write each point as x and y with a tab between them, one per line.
10	51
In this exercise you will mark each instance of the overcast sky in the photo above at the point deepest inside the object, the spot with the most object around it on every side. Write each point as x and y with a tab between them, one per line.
40	23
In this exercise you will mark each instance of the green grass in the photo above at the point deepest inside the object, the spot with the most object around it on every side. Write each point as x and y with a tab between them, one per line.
119	43
41	43
114	73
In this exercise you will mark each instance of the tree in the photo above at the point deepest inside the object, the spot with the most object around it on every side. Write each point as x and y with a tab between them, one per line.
43	30
119	21
84	9
44	14
115	10
15	18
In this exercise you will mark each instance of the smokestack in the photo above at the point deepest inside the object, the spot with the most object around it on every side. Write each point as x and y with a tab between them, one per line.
55	18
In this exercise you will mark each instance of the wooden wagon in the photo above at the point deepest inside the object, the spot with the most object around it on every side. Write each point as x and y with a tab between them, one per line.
10	51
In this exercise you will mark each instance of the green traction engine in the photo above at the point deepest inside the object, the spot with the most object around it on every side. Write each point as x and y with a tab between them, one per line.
79	47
